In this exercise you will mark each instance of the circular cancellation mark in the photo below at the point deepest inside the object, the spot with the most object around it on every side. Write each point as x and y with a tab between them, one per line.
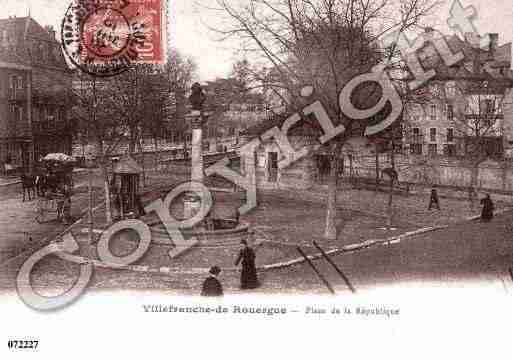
99	38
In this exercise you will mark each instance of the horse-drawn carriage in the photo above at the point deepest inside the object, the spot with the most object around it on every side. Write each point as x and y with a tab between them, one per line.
54	185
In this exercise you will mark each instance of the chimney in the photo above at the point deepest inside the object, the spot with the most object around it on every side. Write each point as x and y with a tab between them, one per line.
429	32
51	31
494	42
473	39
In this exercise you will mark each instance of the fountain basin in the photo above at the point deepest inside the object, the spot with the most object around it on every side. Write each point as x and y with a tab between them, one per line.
206	238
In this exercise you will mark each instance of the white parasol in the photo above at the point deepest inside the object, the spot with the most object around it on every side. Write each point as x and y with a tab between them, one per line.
60	157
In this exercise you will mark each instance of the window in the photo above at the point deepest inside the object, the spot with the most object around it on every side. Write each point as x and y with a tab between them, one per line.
17	113
450	112
42	114
432	112
20	82
416	148
42	52
450	135
432	149
416	137
451	88
432	134
12	82
487	107
450	150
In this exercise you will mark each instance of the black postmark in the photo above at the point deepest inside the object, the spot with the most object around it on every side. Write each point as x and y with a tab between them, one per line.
102	37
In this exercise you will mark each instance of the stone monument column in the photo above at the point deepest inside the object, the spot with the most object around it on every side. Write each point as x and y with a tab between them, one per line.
197	147
192	203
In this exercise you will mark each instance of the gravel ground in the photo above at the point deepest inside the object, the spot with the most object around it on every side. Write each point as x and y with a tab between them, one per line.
286	218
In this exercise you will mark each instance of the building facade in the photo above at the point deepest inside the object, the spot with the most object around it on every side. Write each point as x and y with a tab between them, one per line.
35	88
466	109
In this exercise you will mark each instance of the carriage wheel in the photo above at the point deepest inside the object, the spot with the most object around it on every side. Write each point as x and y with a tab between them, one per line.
40	213
40	216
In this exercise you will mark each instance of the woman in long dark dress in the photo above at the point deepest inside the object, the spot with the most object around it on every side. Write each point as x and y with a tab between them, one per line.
248	276
487	213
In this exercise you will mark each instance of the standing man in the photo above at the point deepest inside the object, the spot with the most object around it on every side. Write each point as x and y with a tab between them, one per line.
433	201
211	286
248	275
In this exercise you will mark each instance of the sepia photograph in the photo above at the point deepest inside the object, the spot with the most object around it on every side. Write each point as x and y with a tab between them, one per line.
265	177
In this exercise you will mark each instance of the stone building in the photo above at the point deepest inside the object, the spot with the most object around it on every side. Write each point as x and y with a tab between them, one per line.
35	84
465	104
469	103
299	175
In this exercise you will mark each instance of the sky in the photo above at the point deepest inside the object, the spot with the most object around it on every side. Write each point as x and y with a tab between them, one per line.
214	58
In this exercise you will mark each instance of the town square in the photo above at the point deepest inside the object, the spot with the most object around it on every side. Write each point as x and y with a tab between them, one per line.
262	148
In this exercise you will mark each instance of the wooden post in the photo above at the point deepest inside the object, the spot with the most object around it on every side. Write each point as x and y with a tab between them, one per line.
377	166
90	209
326	283
122	205
346	280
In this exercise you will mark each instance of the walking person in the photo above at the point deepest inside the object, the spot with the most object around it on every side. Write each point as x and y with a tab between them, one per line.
211	286
472	197
66	206
488	207
433	201
248	276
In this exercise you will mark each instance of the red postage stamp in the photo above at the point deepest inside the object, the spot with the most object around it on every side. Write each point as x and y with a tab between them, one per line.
105	37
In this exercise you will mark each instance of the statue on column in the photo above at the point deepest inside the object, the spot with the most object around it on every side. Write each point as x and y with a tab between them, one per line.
197	97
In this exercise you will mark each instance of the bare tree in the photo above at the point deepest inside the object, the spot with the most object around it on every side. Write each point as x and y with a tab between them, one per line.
181	72
92	113
323	43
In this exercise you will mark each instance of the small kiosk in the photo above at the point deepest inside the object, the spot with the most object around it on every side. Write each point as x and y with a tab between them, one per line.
125	186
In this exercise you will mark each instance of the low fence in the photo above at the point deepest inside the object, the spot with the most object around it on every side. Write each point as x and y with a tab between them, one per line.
490	175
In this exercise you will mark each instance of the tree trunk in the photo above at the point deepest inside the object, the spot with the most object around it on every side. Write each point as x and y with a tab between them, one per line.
157	155
141	151
377	167
390	201
90	206
391	193
330	231
131	143
105	175
473	184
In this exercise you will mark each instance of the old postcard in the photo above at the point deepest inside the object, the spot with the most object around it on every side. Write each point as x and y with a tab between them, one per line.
256	177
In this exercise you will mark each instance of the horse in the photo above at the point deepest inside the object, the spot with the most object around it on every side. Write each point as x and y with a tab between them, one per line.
47	183
28	183
41	184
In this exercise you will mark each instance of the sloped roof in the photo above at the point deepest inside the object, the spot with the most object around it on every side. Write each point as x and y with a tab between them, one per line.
491	62
301	128
263	126
127	165
27	32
